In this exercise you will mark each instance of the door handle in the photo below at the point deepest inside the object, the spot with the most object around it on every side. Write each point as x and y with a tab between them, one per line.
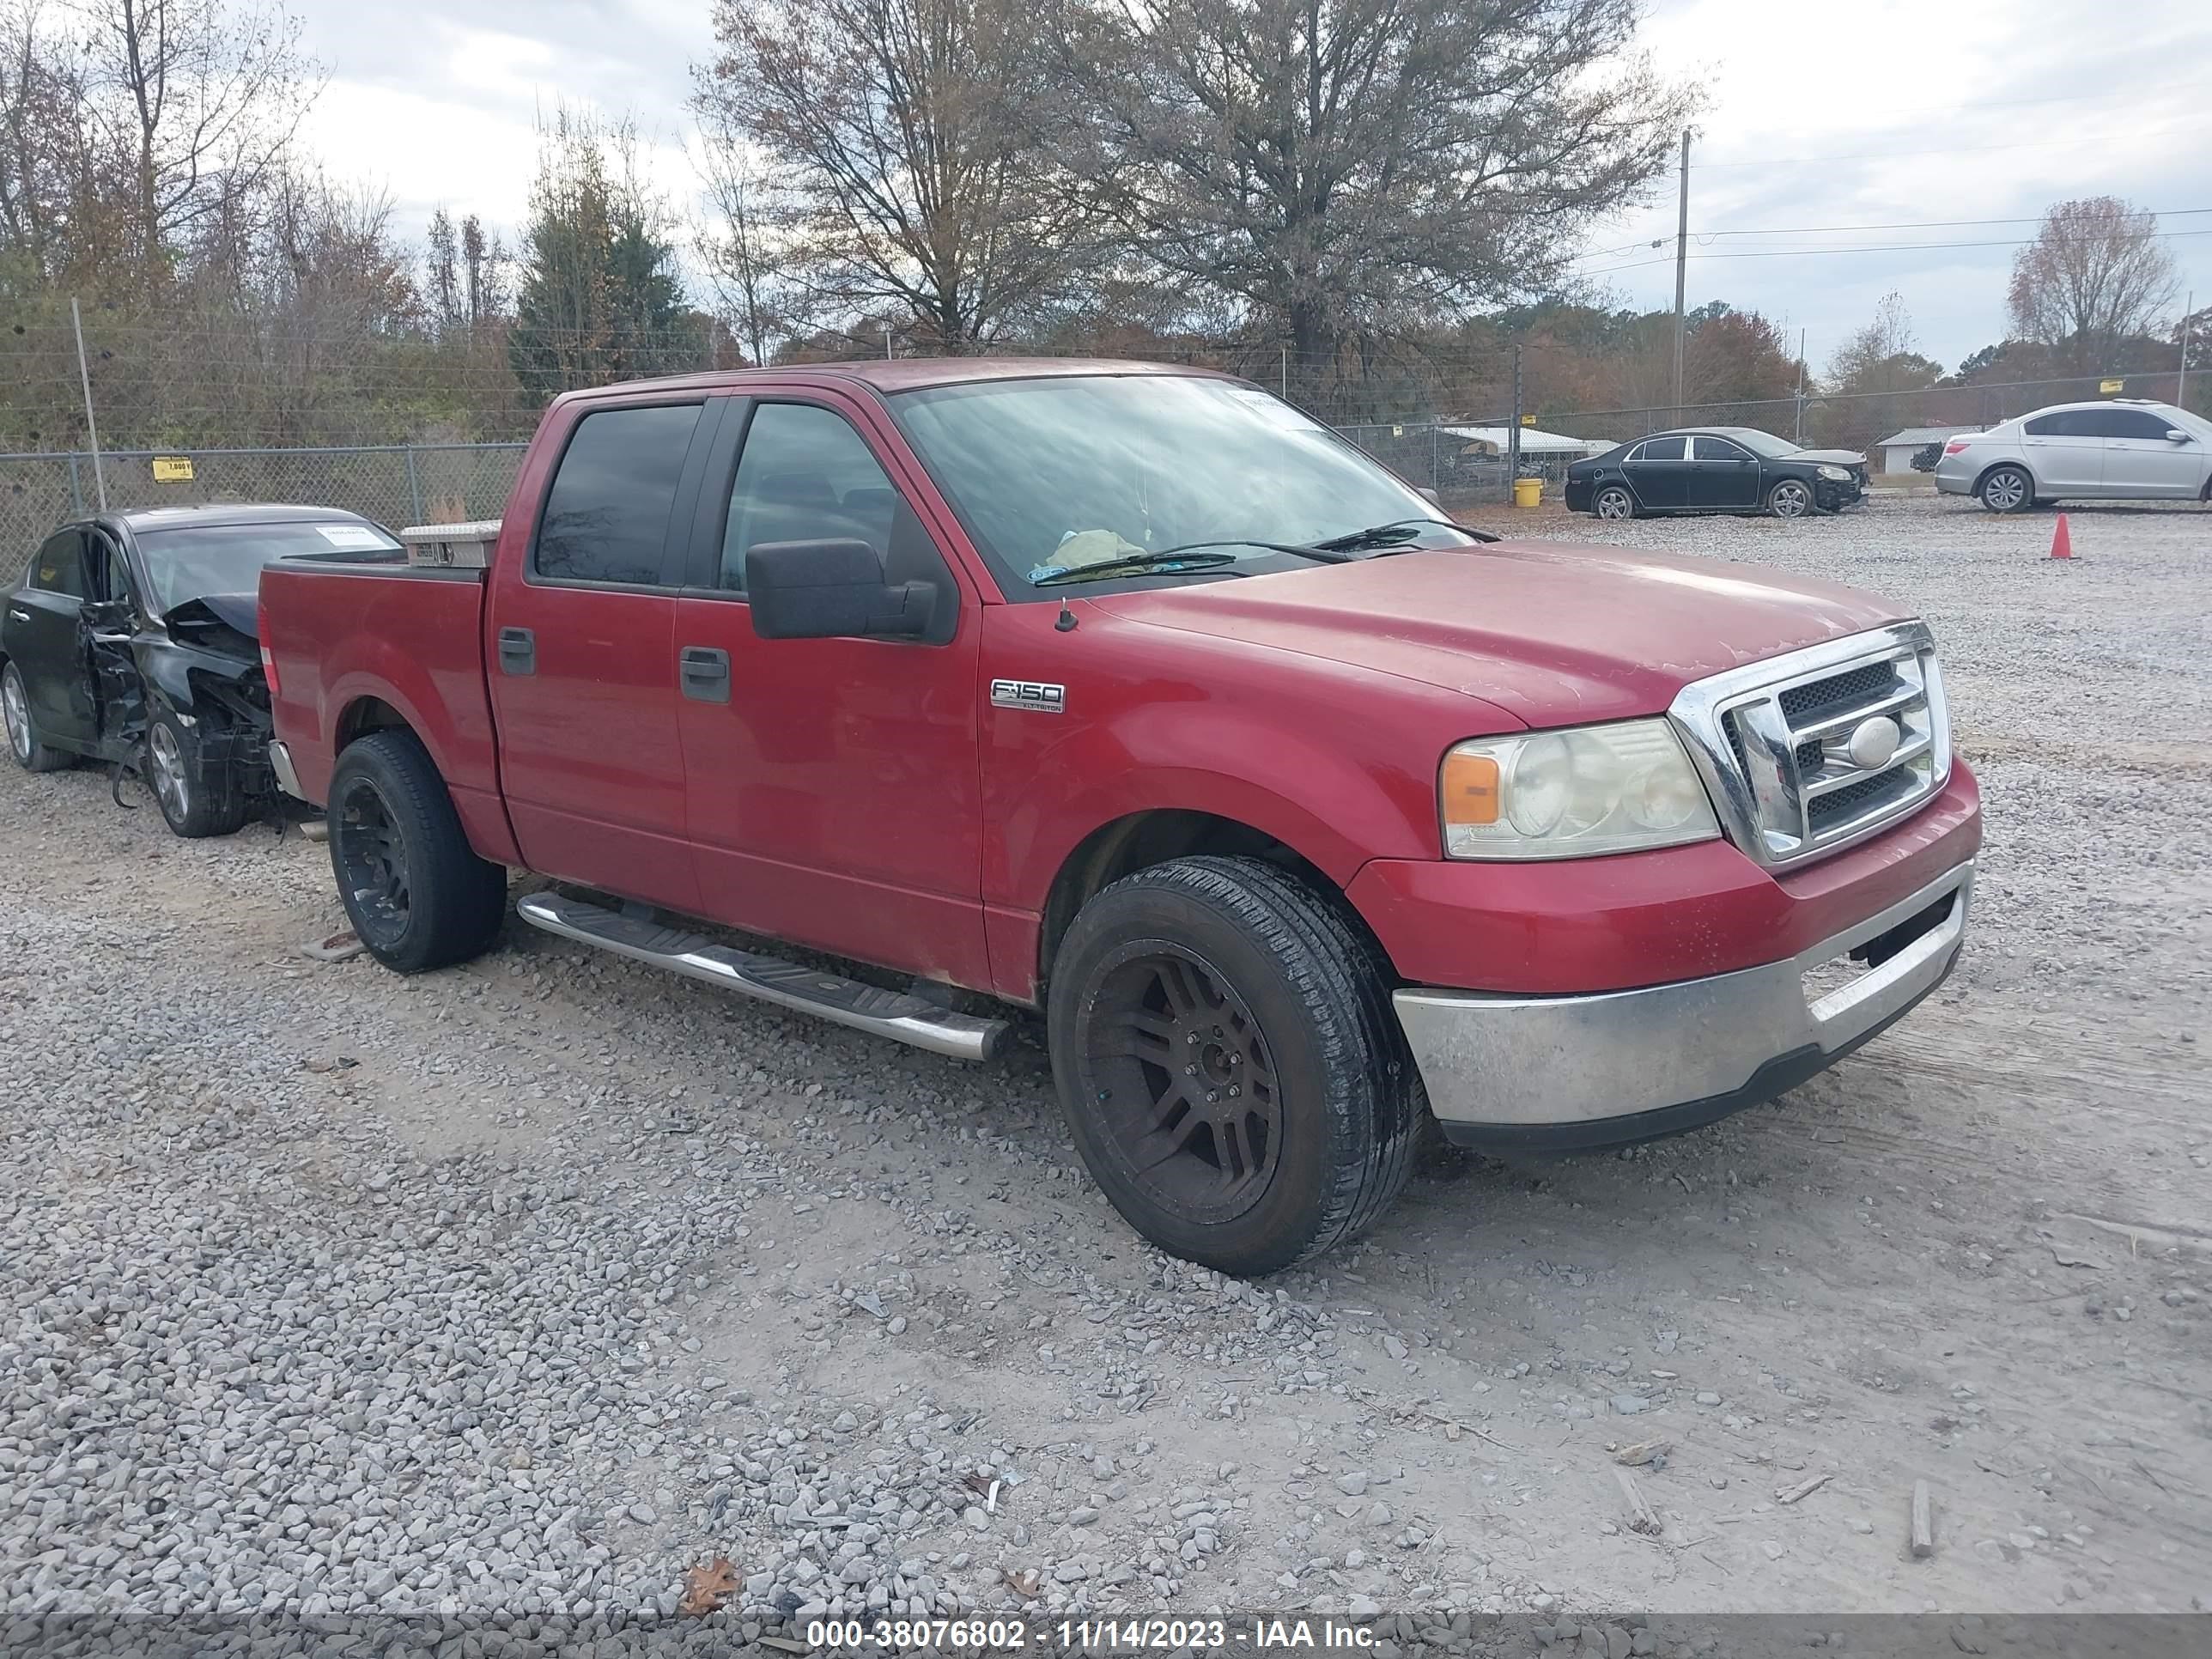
704	673
18	614
518	651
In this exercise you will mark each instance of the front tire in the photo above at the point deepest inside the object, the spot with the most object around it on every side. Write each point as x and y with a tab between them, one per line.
1230	1064
2006	490
1791	498
197	799
417	893
22	736
1614	503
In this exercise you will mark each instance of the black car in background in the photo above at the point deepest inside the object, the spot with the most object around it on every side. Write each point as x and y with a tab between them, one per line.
131	640
1716	469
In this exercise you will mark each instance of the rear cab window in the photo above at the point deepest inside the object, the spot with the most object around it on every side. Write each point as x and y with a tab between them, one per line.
607	513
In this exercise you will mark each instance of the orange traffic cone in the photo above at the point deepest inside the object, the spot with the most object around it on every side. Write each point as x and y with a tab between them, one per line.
2062	543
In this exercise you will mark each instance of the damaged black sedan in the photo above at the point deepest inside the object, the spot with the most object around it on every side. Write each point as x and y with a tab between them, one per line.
132	642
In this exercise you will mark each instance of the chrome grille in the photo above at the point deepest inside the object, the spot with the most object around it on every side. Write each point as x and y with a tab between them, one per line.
1774	740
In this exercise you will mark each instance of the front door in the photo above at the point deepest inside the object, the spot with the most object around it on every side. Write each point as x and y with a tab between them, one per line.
835	793
1658	471
2065	452
1723	474
580	651
2141	461
42	638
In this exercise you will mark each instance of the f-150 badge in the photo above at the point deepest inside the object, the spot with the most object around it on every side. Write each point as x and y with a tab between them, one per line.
1032	695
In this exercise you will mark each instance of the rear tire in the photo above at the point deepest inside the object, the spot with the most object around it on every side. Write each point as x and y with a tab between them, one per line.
1230	1064
197	799
22	733
417	893
1614	503
2006	490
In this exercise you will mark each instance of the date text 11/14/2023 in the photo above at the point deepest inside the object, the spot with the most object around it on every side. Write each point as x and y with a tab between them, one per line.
1085	1635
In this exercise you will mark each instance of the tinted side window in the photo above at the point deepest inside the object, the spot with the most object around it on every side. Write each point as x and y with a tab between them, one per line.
2068	423
59	567
606	516
2128	423
1720	449
805	475
114	573
1659	449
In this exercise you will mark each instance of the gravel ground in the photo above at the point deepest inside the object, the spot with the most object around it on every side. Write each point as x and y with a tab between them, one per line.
517	1291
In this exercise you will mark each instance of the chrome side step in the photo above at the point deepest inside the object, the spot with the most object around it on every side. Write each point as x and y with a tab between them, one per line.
908	1020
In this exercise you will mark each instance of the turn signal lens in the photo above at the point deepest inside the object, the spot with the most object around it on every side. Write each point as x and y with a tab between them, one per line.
1470	788
1578	793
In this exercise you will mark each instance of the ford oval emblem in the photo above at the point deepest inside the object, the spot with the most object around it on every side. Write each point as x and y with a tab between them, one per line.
1873	742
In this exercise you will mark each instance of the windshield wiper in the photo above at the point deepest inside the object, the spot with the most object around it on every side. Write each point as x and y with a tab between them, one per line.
1167	560
1394	535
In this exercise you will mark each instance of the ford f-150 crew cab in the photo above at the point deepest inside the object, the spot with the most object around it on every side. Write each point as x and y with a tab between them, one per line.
1129	694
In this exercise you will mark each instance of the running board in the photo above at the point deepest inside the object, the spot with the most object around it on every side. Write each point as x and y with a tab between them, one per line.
841	1001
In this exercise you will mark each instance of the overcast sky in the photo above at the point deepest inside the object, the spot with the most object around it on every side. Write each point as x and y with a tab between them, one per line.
1869	114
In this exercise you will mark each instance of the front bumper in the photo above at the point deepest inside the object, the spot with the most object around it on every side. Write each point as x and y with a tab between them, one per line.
1507	1072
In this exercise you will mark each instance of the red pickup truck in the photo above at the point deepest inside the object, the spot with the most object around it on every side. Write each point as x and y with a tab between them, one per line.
1130	695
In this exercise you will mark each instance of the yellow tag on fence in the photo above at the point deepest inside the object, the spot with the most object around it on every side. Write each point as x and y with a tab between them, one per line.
172	468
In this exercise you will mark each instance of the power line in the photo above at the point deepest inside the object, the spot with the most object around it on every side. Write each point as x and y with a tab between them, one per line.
1872	247
1928	150
1919	224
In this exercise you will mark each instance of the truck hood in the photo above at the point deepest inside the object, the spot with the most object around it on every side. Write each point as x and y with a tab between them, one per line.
1552	634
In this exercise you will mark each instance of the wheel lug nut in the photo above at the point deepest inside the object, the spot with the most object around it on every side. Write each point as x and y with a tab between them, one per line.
1235	1060
1191	1038
1235	1092
1190	1071
1213	1096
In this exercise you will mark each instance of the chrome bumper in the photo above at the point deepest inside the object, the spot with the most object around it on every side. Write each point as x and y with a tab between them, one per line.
288	780
1621	1065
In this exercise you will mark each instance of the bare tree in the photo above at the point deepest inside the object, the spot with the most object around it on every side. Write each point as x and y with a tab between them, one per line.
442	259
1877	375
1348	166
2095	276
910	129
199	100
747	253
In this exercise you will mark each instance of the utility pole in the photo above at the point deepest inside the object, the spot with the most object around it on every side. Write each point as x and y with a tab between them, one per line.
91	423
2181	381
1513	432
1801	388
1682	270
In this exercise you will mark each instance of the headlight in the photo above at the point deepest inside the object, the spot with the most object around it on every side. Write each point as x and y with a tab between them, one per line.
1838	474
1572	794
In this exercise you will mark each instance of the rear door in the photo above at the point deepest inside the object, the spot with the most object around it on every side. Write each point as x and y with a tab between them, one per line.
1723	474
835	785
42	640
2065	452
2141	460
581	656
1658	471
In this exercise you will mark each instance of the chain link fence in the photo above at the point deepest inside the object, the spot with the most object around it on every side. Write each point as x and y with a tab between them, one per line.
396	484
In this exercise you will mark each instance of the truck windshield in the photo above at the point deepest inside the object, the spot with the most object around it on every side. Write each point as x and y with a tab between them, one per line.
1053	474
192	562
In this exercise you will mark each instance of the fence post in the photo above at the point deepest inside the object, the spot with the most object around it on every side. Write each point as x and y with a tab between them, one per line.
77	489
414	487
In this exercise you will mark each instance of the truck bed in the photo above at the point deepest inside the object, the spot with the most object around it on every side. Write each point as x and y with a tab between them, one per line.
345	636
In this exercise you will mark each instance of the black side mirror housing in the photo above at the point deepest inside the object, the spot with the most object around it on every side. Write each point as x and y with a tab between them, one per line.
831	589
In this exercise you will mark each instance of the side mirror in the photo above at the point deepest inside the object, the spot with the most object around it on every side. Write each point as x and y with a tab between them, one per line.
2174	434
1430	497
831	589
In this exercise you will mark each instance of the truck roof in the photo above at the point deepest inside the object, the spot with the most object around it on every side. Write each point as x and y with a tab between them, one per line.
899	373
